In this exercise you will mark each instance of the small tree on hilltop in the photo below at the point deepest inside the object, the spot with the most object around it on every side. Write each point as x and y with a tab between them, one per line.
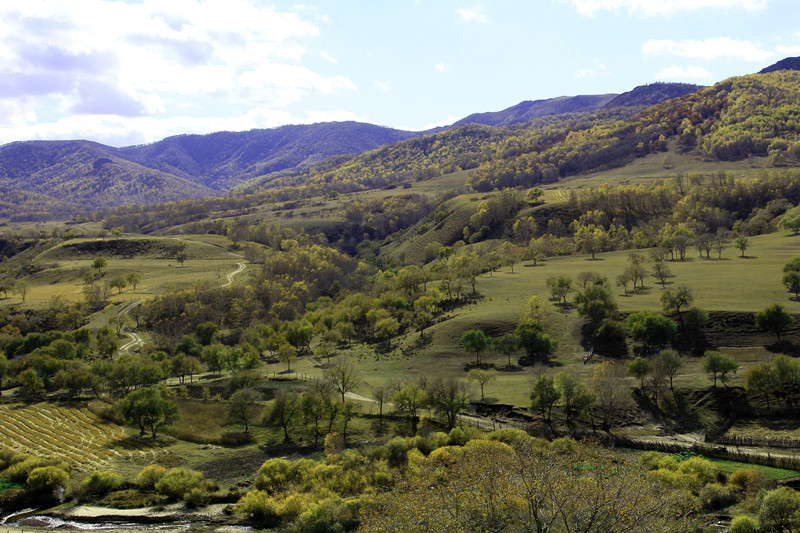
148	409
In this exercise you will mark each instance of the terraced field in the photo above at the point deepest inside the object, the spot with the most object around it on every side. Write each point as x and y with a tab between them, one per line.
72	434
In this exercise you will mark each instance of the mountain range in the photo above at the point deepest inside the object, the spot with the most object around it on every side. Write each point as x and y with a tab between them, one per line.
42	174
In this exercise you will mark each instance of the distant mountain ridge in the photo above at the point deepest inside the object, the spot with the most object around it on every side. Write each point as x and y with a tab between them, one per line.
789	63
90	175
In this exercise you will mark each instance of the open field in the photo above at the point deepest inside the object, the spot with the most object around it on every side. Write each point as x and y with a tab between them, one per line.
64	266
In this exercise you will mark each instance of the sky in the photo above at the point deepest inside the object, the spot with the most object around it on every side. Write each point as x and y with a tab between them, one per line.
125	72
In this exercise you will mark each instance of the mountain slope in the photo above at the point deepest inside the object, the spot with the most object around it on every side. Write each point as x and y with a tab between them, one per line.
223	160
530	110
789	63
652	94
88	174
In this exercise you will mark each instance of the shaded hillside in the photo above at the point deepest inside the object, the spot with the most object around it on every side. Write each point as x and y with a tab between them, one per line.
789	63
223	160
88	174
653	93
530	110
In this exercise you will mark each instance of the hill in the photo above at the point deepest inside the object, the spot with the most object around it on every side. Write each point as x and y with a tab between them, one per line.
223	160
652	94
789	63
530	110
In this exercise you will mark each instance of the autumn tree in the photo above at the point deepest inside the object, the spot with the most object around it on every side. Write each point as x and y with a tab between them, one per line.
544	395
448	397
610	390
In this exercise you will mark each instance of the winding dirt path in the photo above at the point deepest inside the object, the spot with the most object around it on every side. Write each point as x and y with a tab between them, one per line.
240	268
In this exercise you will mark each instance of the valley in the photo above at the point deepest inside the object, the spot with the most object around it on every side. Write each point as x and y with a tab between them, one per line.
319	346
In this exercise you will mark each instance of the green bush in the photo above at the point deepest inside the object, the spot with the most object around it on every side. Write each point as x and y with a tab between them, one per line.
259	506
197	497
23	465
744	524
149	476
715	496
273	475
99	483
178	481
47	478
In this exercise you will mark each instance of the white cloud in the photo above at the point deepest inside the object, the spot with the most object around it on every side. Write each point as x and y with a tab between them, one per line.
384	86
101	59
661	7
586	72
676	72
441	66
712	48
473	14
327	57
793	50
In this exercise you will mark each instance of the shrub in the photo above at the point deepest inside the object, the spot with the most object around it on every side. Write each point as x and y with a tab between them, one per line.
748	480
704	469
101	483
149	476
273	475
23	465
197	497
259	506
510	436
6	458
47	478
715	496
396	452
744	524
178	481
457	437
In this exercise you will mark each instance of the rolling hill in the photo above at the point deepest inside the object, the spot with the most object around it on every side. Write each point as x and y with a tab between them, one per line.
529	143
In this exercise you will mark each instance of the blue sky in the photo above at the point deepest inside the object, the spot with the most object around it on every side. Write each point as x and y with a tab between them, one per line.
135	71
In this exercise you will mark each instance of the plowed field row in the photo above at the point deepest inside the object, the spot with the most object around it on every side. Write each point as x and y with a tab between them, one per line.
72	434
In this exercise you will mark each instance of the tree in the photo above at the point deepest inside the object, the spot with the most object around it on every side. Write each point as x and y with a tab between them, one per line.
99	263
6	286
719	365
119	321
661	272
742	244
30	382
536	343
639	368
507	345
349	411
410	399
780	510
670	361
206	332
381	395
560	287
476	341
242	406
344	376
106	342
448	397
608	384
791	221
119	283
134	278
544	395
21	288
148	409
652	329
596	302
287	354
791	280
775	319
284	407
483	377
576	398
674	302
